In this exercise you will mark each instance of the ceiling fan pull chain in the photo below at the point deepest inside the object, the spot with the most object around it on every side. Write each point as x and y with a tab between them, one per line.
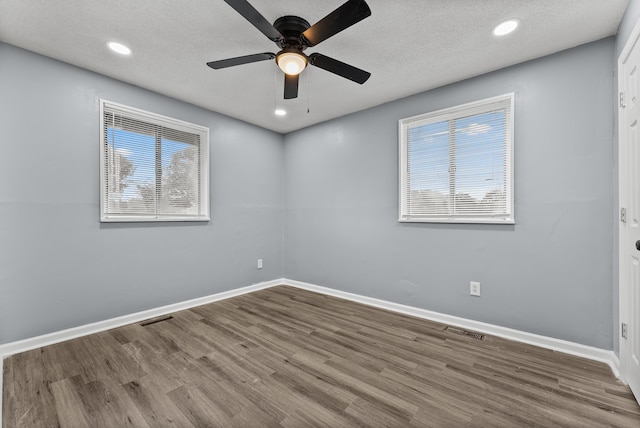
275	88
308	90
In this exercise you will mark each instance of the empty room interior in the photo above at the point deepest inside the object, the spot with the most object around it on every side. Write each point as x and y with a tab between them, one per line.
319	213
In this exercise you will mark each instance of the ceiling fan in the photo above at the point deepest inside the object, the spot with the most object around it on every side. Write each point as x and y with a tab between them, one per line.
293	35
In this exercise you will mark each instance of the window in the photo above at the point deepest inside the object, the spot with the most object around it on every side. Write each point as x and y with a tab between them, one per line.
153	168
456	165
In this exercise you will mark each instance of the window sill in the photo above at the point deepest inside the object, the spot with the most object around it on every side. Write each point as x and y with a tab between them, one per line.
446	220
151	219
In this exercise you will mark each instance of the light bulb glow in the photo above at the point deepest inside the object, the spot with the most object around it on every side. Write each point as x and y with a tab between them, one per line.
292	63
506	27
119	48
280	112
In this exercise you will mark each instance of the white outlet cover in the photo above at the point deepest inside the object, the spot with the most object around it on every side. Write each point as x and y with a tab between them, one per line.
474	288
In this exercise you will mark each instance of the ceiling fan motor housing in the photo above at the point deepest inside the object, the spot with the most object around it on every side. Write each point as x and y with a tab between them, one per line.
291	27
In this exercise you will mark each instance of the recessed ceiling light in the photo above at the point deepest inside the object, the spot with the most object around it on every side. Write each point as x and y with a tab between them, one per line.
280	112
506	27
119	48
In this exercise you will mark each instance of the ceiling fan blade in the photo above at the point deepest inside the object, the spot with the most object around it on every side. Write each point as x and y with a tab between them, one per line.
340	68
291	86
254	17
343	17
239	60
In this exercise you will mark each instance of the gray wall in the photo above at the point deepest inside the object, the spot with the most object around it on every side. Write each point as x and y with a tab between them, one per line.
59	267
550	274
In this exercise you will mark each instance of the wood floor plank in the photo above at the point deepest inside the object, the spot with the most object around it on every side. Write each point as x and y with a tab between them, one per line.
69	406
155	406
384	400
28	380
249	415
107	405
10	395
196	406
317	389
285	357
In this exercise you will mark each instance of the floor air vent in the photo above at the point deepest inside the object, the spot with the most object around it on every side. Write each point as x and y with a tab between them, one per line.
155	320
473	334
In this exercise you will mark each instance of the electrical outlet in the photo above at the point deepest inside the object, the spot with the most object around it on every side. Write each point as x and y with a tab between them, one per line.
259	263
474	288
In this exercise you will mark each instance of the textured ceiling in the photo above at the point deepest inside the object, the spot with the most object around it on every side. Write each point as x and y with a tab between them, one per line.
409	46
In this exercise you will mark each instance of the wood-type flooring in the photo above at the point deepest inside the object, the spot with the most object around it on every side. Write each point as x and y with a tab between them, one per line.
285	357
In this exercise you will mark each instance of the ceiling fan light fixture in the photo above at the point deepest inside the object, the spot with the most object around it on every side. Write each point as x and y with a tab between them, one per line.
291	63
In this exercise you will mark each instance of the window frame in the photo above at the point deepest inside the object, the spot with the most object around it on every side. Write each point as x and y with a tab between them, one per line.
163	121
448	114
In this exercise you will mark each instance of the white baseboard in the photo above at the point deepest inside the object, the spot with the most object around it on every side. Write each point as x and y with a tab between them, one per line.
615	367
571	348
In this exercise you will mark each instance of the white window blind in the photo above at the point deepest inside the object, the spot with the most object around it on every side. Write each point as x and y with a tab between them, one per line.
153	168
456	165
